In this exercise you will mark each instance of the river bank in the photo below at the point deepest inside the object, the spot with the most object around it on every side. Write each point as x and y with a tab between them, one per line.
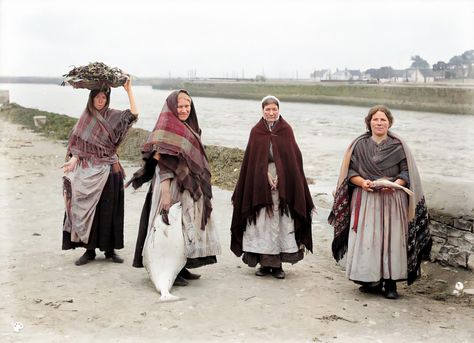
56	301
449	199
442	99
224	162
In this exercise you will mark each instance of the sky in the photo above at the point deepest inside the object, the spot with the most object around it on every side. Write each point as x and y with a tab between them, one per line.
229	38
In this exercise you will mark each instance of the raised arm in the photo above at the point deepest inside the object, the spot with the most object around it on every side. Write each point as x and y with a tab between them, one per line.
131	98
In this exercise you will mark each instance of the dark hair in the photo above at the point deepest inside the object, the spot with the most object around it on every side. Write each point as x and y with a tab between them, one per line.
270	100
93	93
374	110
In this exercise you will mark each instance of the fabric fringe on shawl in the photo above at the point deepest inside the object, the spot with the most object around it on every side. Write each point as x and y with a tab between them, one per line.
419	241
97	137
340	218
67	193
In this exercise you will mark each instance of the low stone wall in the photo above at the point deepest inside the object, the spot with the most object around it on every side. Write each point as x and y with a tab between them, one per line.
451	205
453	239
4	97
442	99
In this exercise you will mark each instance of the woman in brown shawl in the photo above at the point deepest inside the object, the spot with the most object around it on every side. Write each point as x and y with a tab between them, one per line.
93	181
383	232
271	221
176	163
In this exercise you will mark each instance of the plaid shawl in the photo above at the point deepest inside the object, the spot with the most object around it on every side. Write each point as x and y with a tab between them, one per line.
173	137
252	191
419	237
97	134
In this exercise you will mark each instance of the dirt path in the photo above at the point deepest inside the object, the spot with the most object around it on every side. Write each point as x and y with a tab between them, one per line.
56	301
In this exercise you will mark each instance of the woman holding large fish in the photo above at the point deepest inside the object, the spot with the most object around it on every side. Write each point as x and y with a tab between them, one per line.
176	163
271	221
379	213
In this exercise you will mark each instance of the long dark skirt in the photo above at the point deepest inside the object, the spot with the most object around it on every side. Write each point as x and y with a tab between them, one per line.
141	237
107	227
273	261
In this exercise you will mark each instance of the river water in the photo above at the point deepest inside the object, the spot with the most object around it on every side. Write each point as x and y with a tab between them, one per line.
441	143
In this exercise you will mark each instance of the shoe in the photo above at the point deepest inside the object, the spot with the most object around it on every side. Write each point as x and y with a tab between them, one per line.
180	281
278	273
115	258
88	256
372	289
186	274
262	271
390	287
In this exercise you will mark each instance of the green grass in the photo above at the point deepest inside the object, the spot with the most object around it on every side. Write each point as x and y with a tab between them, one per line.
225	162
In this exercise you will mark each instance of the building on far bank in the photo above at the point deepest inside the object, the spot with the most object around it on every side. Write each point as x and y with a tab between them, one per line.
420	75
321	75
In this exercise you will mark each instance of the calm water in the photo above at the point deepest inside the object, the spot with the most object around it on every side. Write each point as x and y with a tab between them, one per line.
442	143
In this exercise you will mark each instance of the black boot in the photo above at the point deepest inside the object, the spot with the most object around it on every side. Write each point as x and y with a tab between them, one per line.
180	281
186	274
115	258
88	256
278	273
262	271
390	287
371	287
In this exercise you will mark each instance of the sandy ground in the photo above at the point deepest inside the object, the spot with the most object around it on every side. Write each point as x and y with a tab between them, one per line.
56	301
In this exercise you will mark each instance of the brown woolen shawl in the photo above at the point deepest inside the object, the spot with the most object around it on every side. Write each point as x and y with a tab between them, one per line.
181	151
252	191
419	238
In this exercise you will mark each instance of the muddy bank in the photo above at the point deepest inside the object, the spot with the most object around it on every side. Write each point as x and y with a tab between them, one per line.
416	98
224	162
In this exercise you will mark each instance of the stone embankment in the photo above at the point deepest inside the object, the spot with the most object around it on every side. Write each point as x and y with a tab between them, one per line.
440	98
4	97
451	205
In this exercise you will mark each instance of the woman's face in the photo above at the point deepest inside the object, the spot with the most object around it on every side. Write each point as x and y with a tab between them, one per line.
271	113
379	124
184	109
100	100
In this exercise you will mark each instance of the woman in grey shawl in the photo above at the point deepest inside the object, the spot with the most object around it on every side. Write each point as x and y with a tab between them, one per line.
93	180
382	232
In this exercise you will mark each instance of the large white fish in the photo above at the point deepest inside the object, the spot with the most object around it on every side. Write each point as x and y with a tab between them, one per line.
380	183
164	252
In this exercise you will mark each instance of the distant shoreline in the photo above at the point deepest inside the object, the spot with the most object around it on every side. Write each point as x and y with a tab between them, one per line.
441	99
431	97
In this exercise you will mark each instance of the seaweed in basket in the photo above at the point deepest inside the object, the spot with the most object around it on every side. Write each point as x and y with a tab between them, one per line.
96	75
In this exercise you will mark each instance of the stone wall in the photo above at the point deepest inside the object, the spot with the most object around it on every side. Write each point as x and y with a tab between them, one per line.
4	96
451	206
453	240
408	97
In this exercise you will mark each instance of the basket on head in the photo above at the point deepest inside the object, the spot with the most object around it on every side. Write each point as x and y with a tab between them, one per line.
95	75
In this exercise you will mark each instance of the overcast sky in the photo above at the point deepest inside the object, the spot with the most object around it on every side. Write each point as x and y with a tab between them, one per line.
219	38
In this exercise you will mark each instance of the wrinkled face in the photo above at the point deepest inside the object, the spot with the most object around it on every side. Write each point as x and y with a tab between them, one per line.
379	124
184	109
100	100
271	113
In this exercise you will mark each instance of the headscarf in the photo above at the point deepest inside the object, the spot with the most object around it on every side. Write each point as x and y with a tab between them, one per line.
172	137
